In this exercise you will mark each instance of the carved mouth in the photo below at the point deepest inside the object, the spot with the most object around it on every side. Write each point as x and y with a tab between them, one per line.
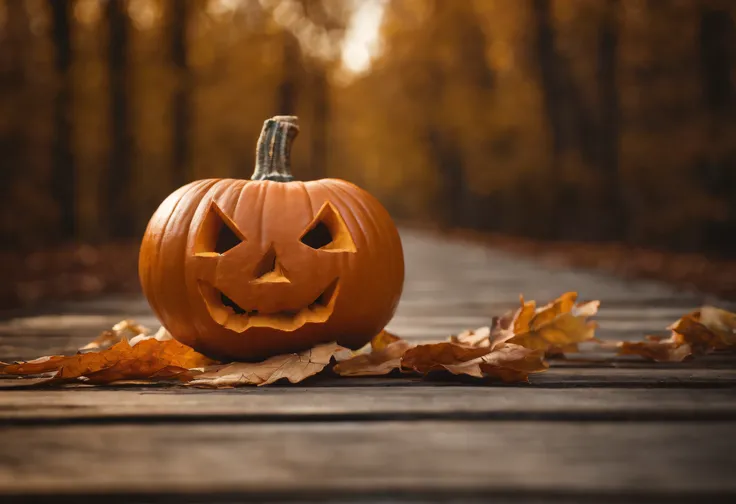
229	314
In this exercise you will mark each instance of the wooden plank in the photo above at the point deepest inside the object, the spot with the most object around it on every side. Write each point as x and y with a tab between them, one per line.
703	375
362	403
356	457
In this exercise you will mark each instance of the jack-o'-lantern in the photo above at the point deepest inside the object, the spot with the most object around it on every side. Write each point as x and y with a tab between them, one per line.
247	269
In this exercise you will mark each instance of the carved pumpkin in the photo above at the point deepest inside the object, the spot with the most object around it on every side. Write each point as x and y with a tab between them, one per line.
246	269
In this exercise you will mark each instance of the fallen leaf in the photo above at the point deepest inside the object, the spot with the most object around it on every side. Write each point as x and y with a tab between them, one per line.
35	366
657	349
707	329
480	337
555	328
385	357
508	362
383	340
698	332
720	322
143	357
293	367
125	329
513	363
436	356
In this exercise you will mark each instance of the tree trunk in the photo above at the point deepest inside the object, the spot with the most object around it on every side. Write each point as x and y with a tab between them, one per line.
547	62
118	196
63	174
716	57
181	102
13	142
320	123
608	132
287	90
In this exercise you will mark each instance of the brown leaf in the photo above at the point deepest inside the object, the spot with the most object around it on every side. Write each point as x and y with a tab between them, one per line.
657	349
553	329
35	366
142	357
720	322
384	358
480	337
508	361
436	356
293	367
707	329
383	340
698	332
513	363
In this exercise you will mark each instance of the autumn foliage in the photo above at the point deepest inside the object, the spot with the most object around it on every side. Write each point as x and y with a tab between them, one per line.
513	347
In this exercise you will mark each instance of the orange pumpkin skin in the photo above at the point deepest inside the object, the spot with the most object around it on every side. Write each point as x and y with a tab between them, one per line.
247	269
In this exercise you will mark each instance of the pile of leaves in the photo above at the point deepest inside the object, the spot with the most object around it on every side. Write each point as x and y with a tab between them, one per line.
515	345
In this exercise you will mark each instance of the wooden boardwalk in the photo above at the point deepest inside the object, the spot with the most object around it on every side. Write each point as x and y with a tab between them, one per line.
622	432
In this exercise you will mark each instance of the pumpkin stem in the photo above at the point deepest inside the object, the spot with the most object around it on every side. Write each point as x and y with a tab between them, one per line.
274	149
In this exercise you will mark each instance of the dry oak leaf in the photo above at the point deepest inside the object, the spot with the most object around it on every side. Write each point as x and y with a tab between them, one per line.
707	329
157	357
294	367
657	348
554	328
384	357
125	329
508	361
698	332
480	337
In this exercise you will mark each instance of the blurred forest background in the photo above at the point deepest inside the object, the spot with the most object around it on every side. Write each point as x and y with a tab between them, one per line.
590	120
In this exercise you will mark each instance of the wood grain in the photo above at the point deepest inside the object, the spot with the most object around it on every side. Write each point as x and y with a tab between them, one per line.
368	403
587	430
391	456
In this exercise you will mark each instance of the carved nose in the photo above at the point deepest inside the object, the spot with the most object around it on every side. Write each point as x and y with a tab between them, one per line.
269	269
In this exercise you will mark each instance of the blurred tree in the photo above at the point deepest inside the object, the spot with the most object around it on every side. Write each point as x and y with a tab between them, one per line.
13	52
181	103
118	197
716	57
64	175
553	118
286	96
437	84
612	220
717	40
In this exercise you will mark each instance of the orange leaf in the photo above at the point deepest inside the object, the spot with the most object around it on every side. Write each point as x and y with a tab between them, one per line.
707	329
435	356
384	358
508	362
383	340
140	358
293	367
556	327
35	366
513	363
698	332
657	349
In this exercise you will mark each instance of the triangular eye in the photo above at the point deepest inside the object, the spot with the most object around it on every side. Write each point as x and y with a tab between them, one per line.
328	232
218	233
